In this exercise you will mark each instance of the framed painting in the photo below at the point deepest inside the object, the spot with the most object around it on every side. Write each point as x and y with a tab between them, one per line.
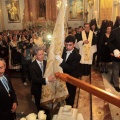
76	9
13	11
42	8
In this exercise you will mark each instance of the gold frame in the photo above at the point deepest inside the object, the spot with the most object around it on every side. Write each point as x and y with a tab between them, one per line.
79	16
13	11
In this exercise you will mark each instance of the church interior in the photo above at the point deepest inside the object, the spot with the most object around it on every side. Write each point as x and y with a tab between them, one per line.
42	18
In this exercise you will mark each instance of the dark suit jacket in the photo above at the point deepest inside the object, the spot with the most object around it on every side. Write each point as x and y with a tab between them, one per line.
36	77
114	41
71	66
78	36
3	49
6	102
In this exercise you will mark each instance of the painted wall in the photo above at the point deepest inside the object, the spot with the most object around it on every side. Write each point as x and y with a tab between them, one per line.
12	26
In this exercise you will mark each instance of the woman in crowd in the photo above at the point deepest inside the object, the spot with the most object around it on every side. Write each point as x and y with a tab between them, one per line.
94	28
100	36
14	54
105	51
10	38
37	40
26	52
22	38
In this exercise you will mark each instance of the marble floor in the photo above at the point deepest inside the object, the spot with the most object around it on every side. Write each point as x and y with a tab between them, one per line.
25	104
115	111
91	107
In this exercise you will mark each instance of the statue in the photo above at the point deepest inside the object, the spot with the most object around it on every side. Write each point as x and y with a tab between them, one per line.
86	16
74	9
13	13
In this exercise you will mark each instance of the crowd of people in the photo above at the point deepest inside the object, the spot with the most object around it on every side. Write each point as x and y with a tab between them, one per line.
84	46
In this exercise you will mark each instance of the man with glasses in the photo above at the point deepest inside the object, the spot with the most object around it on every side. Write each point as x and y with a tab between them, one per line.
70	65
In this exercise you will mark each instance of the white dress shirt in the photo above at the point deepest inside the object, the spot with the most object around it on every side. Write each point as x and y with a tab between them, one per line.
68	53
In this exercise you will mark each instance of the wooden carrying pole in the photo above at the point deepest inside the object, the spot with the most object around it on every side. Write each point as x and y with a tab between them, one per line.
109	97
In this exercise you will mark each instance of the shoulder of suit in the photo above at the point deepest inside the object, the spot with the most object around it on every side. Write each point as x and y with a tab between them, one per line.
44	60
76	54
115	29
6	76
34	62
75	51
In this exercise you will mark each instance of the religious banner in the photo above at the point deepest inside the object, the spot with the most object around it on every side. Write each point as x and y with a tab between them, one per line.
57	91
13	10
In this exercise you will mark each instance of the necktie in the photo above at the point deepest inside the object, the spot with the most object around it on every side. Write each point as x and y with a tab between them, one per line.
5	84
41	66
68	53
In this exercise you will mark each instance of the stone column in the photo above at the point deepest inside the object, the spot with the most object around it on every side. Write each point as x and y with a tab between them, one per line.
115	9
90	10
1	18
26	11
48	9
119	8
96	10
33	10
53	10
86	11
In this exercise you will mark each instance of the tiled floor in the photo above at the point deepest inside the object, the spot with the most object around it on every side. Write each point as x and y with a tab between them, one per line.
92	107
115	111
101	110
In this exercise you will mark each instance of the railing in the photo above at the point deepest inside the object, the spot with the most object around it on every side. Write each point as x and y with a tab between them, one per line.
109	97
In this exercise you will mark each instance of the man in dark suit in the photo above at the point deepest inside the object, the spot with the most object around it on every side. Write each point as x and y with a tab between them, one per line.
3	48
78	34
114	45
37	69
70	64
8	100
